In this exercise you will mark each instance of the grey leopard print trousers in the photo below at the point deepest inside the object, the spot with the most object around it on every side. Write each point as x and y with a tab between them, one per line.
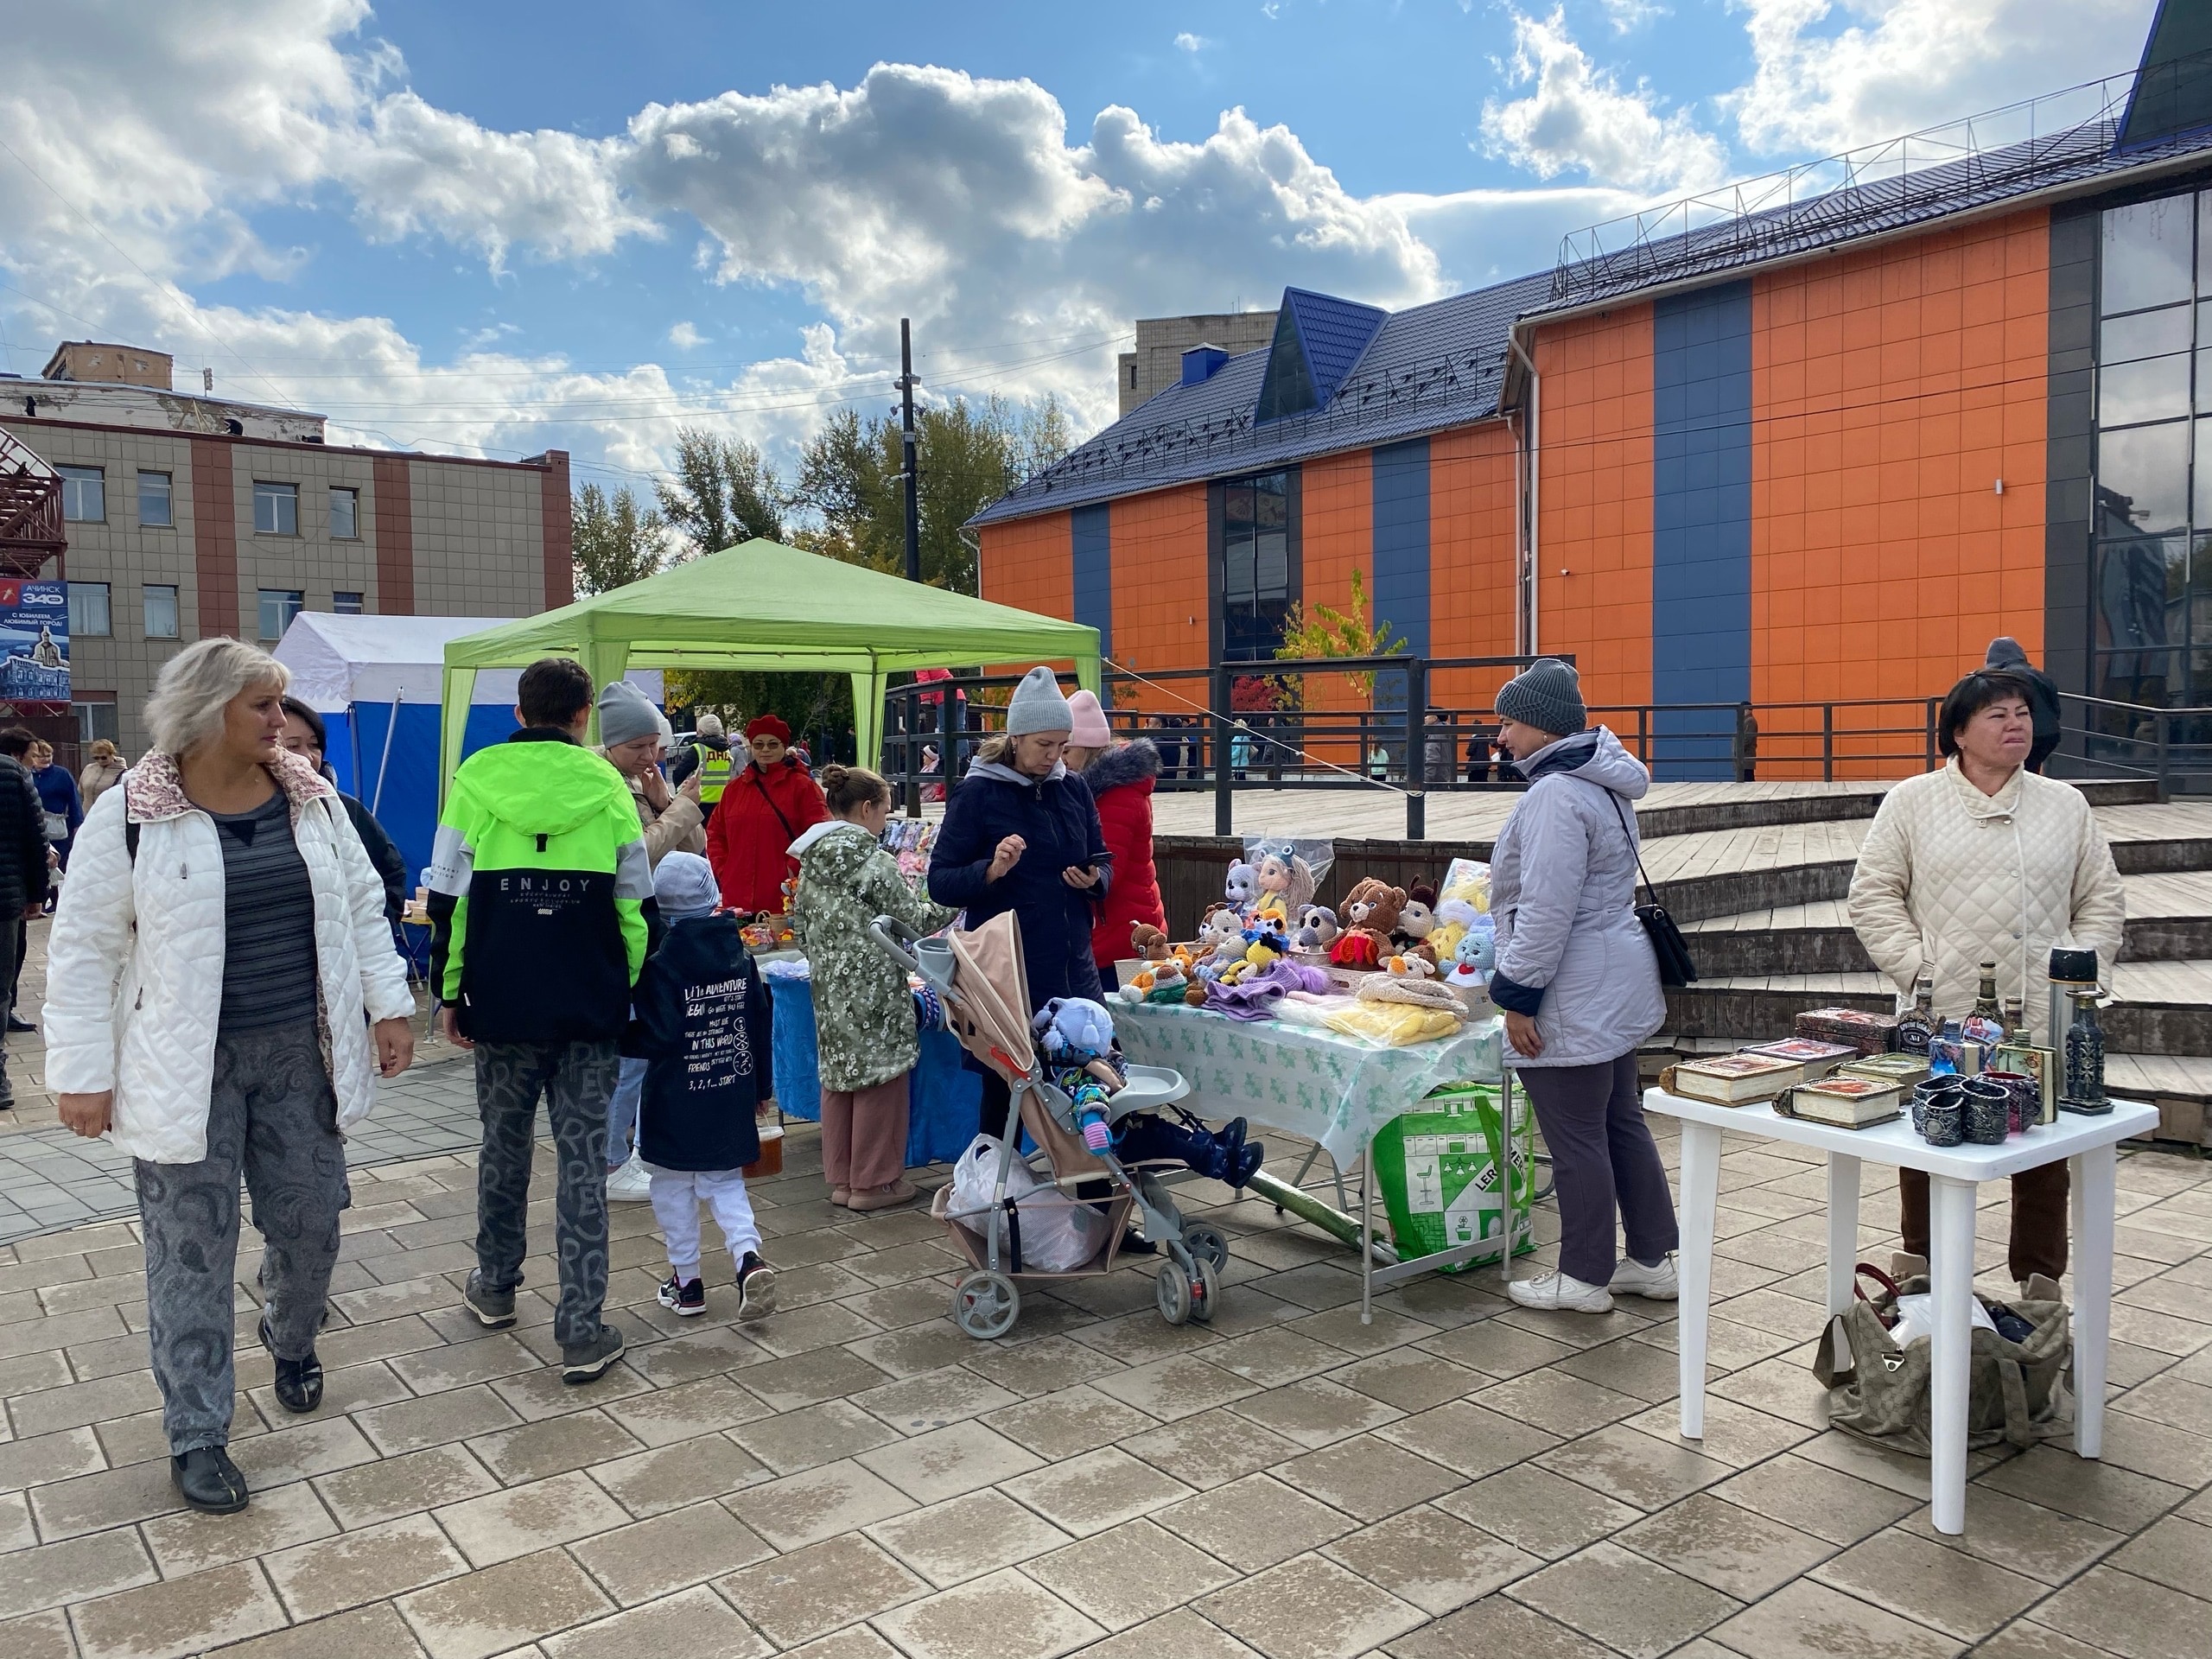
577	1080
271	1116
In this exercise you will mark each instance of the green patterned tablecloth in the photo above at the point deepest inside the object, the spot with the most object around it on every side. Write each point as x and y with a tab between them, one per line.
1325	1086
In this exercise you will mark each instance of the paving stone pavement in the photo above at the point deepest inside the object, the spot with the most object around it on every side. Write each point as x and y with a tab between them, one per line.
854	1478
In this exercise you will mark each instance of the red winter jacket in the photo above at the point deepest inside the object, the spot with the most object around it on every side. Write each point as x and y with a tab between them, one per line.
1121	782
761	814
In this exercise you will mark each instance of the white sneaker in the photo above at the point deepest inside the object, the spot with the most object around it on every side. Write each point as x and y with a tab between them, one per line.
1558	1290
632	1183
1655	1284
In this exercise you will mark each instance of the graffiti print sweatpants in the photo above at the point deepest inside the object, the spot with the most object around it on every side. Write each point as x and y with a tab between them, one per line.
271	1116
576	1080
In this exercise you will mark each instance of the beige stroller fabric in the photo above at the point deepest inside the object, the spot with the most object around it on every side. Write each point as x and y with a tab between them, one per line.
989	1011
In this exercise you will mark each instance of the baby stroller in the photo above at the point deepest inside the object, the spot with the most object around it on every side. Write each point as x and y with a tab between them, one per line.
980	978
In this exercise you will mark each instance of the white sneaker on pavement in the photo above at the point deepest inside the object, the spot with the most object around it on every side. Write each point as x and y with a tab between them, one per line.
1655	1284
1559	1290
632	1183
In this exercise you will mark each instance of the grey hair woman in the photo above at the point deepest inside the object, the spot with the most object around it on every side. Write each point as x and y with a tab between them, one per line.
222	991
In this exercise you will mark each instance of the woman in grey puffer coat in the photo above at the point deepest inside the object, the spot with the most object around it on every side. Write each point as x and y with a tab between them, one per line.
1579	988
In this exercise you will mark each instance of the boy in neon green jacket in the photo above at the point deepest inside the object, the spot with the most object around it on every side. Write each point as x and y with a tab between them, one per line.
540	890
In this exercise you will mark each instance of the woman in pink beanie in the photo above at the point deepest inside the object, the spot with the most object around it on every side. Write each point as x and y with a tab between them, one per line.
1121	775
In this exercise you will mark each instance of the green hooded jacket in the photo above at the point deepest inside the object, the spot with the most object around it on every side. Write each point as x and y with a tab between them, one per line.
863	1012
539	884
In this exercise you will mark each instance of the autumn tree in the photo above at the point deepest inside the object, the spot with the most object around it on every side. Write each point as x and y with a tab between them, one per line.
613	542
724	492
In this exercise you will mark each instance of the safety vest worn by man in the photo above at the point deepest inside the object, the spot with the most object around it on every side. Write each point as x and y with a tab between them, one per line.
714	769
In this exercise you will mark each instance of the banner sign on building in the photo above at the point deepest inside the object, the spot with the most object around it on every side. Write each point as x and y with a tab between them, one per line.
34	645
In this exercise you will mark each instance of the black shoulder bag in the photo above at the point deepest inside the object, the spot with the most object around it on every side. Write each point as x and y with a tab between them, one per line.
1668	945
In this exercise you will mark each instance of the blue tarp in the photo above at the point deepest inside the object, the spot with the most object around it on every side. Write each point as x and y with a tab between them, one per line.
945	1100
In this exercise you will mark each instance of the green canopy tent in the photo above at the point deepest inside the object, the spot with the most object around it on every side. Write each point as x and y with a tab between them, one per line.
766	607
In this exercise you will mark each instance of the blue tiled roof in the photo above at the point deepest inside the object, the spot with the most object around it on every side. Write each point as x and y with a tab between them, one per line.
1334	333
1443	365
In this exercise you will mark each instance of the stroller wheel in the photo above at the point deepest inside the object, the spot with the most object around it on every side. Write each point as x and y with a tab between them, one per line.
986	1305
1175	1293
1206	1294
1208	1244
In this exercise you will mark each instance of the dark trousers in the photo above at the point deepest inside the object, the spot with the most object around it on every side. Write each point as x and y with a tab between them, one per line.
11	964
577	1081
270	1114
1604	1162
997	1098
2039	1198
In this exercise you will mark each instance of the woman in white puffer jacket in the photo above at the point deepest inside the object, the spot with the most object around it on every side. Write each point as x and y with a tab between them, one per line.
212	979
1986	861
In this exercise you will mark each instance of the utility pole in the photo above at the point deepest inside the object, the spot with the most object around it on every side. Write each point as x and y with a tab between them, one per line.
906	449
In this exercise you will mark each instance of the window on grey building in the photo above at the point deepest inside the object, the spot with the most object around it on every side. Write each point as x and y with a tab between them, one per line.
155	510
84	494
346	604
2152	574
278	607
88	609
95	719
161	610
345	515
275	509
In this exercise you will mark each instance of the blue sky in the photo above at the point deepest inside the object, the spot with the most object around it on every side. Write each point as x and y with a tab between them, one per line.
500	227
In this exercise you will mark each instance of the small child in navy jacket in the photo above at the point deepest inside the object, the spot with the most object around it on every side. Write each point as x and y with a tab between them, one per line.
700	1020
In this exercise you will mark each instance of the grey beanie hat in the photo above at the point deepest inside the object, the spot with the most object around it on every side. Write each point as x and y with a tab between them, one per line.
625	713
1548	695
1038	705
2005	652
683	885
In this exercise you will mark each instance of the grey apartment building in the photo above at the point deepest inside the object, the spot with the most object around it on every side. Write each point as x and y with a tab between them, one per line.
188	515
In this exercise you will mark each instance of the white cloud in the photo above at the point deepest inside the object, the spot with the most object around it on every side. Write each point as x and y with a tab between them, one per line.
1627	15
1903	65
1579	116
1187	42
683	336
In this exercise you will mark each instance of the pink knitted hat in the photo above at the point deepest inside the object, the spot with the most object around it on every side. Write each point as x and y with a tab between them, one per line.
1090	730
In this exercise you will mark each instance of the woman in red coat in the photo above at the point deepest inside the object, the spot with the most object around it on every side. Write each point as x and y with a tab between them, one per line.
1120	778
766	808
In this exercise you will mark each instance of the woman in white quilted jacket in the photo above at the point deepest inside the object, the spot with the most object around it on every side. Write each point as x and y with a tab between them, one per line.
1984	861
211	982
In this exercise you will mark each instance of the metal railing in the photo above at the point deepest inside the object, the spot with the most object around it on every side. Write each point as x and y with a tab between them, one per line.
1416	727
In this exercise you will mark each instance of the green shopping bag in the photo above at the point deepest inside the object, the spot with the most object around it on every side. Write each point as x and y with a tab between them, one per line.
1438	1167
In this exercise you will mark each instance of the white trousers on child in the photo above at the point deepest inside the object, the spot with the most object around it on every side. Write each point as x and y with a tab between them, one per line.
677	1193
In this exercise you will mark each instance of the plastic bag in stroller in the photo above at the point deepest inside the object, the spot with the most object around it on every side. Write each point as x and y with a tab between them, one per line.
980	978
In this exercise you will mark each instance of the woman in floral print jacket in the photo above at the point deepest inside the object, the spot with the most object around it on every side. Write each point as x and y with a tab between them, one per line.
863	1012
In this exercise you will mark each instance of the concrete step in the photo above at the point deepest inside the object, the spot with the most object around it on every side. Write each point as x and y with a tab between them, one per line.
2159	1007
2169	919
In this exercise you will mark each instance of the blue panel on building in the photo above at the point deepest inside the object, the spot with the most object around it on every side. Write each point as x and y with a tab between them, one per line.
1399	594
1093	554
1701	524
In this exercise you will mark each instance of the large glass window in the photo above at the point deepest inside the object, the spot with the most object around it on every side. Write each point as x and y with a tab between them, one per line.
161	610
88	609
276	508
155	510
2152	574
84	494
345	515
278	607
1256	579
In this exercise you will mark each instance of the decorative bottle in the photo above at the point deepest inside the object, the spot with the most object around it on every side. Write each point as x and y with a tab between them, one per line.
2085	1060
1916	1025
2016	1020
1984	1023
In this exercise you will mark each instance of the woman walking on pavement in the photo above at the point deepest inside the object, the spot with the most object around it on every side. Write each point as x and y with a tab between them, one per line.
863	1012
1022	834
212	978
1579	988
1121	778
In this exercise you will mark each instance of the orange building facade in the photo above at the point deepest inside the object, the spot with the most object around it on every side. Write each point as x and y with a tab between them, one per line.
1824	480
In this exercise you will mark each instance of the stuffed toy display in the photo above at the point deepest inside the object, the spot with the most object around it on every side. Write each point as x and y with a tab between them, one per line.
1147	942
1416	922
1285	882
1243	887
1370	912
1317	928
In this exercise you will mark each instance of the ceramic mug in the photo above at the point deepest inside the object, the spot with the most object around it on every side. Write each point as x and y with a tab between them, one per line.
2027	1099
1944	1122
1987	1113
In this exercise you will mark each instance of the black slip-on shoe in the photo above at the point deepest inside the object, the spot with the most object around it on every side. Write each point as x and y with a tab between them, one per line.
299	1381
208	1481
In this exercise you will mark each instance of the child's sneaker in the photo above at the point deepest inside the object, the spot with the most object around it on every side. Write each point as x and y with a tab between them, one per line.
756	1287
684	1296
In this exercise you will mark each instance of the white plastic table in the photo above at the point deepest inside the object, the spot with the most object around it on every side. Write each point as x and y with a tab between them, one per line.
1953	1174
